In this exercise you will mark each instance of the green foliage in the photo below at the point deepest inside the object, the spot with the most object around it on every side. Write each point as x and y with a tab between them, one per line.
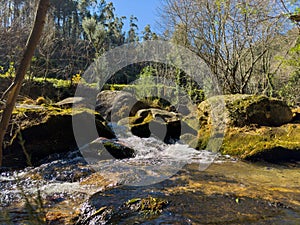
290	91
132	33
116	87
105	30
147	72
10	72
96	34
76	79
148	34
58	83
146	85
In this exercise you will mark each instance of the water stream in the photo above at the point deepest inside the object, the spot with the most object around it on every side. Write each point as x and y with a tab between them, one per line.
200	187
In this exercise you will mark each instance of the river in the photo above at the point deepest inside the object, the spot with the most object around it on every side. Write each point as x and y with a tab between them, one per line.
196	187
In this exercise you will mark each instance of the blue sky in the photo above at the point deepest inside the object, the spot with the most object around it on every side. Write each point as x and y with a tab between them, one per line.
144	10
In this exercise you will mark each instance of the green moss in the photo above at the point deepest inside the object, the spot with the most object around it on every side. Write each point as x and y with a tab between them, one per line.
242	110
149	205
116	87
58	83
203	138
265	142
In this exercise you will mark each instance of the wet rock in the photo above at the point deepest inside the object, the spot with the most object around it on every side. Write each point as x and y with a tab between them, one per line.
63	170
103	148
116	105
94	211
163	124
38	133
149	205
96	179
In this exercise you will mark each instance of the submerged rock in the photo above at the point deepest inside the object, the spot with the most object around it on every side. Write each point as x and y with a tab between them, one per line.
38	133
251	127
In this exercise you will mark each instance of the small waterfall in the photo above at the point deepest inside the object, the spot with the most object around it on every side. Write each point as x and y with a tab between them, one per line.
154	162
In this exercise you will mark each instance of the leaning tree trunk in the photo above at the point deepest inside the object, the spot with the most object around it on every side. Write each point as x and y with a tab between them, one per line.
14	90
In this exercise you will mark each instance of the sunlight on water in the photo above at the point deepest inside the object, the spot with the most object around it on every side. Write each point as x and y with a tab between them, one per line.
154	162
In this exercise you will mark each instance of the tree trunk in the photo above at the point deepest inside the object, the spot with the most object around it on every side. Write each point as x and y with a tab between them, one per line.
14	91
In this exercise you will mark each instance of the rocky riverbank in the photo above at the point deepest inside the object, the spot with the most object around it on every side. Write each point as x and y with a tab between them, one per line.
253	127
244	126
71	191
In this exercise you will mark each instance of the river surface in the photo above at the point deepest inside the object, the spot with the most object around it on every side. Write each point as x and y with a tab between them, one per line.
198	187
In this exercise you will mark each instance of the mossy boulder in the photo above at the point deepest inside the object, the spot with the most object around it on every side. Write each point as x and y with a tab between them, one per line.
37	132
116	105
249	127
272	144
242	110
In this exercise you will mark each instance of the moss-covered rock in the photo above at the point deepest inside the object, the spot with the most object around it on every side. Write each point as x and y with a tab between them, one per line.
50	88
241	110
273	144
251	128
36	132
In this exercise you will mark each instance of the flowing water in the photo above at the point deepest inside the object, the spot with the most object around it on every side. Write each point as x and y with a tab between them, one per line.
199	187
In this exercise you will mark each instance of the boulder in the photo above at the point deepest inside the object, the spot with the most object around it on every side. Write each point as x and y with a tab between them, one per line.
116	105
38	133
242	110
103	148
165	125
249	127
